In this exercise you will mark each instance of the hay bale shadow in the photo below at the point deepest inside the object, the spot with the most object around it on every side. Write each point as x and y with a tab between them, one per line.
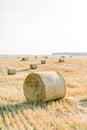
83	102
14	108
22	70
19	106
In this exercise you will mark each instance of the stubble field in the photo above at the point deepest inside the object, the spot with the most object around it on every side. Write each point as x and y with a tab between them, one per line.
69	113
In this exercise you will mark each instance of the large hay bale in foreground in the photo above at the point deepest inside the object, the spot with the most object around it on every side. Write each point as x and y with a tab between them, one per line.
43	61
11	71
44	86
33	66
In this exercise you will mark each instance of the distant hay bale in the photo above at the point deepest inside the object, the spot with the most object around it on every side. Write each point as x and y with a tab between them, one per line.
46	57
24	59
43	61
18	57
61	60
11	71
44	86
70	56
33	66
63	56
35	57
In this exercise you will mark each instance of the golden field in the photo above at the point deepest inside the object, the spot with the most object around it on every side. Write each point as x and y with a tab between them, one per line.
69	113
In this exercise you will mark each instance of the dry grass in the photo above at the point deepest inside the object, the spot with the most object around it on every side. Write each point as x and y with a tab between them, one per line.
69	113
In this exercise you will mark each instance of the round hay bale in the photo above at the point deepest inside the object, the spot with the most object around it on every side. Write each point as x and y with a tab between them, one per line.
63	56
46	57
35	57
61	60
18	57
11	71
24	59
33	66
43	61
44	86
70	56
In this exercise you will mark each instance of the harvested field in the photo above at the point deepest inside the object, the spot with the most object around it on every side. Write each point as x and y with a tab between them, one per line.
69	113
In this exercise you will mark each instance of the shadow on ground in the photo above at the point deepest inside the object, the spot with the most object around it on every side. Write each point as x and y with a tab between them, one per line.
24	105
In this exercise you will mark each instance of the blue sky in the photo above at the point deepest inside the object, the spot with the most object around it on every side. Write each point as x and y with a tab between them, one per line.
43	26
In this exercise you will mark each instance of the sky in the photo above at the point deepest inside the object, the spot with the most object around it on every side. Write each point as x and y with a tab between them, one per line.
43	26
